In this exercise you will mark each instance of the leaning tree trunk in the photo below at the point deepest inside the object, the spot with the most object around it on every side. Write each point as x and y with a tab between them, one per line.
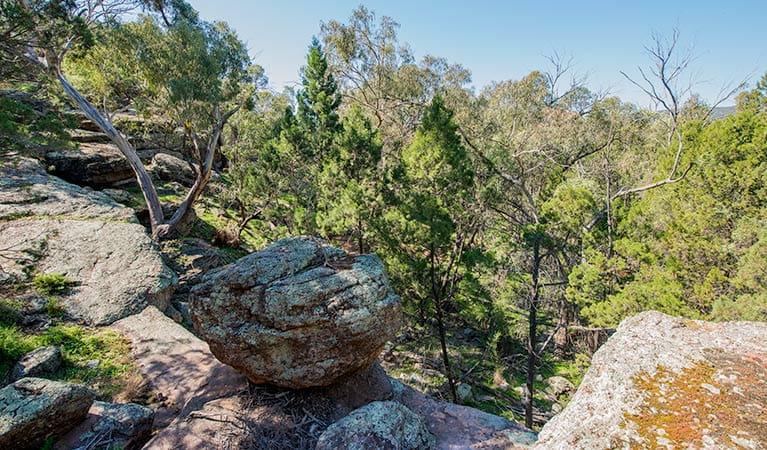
159	227
142	176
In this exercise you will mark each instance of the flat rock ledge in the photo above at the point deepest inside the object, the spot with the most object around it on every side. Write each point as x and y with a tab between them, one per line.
50	226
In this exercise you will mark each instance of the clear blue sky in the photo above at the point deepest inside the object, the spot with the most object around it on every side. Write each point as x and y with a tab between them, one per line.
500	40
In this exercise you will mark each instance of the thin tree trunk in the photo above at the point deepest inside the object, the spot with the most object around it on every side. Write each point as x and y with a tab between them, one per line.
436	295
532	334
360	242
142	176
245	221
443	344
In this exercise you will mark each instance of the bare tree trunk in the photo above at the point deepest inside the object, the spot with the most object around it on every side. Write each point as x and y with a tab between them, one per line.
532	321
144	180
203	176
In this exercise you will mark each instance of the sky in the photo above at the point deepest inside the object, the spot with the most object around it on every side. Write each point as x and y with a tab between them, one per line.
502	40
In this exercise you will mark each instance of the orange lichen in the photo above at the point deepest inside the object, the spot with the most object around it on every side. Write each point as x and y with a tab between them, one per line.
722	400
697	325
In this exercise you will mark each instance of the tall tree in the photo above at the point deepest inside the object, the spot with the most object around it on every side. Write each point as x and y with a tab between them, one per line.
531	136
432	227
349	184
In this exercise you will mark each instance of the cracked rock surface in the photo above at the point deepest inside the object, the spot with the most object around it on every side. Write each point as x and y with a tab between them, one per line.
52	227
298	313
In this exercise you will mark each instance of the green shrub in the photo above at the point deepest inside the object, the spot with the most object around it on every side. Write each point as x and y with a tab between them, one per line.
13	344
53	308
52	284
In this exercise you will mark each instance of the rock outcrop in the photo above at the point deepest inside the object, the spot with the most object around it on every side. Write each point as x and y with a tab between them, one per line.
379	425
170	167
51	226
297	314
41	361
665	382
95	164
33	409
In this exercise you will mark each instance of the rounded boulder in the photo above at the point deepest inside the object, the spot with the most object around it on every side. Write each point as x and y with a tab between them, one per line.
297	314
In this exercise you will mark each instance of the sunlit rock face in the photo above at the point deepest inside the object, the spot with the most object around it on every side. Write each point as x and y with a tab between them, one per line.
663	381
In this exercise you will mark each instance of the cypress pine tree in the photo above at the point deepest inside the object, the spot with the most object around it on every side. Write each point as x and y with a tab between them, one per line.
432	225
317	104
349	182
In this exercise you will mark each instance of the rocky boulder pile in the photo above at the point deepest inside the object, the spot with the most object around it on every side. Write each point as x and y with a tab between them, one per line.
297	314
666	382
95	164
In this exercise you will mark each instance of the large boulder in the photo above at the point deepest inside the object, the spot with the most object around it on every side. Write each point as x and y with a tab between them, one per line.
50	226
683	384
171	167
380	425
298	313
33	409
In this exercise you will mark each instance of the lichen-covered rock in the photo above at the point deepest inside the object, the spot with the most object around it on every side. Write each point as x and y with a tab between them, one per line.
666	382
380	425
558	386
33	409
26	190
42	361
298	313
110	425
461	427
50	226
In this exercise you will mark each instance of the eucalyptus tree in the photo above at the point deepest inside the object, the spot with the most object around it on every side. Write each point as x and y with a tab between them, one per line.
183	66
379	73
532	137
656	153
